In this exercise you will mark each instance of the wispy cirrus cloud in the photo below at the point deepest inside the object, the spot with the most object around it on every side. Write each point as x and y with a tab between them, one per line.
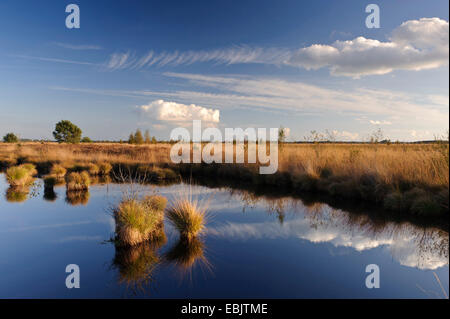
118	61
414	45
282	95
55	60
297	98
78	46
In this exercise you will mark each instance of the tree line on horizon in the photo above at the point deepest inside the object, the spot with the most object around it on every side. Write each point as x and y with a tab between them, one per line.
67	132
138	138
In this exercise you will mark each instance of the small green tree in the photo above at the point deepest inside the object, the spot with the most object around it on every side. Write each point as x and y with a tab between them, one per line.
10	138
147	137
138	138
282	134
66	131
86	140
154	141
131	139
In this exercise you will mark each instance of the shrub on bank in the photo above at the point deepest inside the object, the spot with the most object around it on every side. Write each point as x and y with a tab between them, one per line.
425	206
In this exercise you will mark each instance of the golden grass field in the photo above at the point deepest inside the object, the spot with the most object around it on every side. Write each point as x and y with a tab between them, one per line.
380	170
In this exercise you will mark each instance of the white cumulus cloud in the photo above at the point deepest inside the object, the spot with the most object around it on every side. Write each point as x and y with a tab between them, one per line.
176	112
414	45
380	122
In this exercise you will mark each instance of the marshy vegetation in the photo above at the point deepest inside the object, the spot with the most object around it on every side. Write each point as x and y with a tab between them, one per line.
139	220
78	181
21	175
140	233
410	179
58	171
20	178
188	216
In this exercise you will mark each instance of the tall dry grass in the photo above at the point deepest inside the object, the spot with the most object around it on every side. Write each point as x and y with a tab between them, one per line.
389	174
419	164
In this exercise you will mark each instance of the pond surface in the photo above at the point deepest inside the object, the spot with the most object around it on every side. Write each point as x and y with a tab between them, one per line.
253	247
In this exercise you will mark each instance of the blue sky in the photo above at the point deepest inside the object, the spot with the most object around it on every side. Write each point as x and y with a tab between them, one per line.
305	65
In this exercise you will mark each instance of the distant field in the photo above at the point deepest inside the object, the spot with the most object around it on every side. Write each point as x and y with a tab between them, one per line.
392	175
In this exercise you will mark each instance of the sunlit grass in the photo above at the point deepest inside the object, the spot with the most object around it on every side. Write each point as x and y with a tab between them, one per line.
139	220
374	173
188	216
78	181
104	168
58	171
19	176
93	169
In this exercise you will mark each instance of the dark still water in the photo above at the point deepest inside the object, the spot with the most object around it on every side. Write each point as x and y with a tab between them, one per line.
252	248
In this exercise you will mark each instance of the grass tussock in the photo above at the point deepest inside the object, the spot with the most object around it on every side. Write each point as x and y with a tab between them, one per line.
58	171
104	168
20	176
188	216
138	221
30	168
93	169
155	202
78	181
